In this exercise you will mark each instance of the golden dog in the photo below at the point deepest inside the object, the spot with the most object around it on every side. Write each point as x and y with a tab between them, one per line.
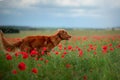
36	42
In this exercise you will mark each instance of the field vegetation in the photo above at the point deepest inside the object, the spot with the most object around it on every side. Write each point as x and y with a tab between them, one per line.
88	55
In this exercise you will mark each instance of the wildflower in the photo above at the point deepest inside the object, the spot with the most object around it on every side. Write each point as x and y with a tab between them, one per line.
84	77
64	53
33	52
68	65
39	65
8	57
44	48
118	46
56	52
110	44
79	49
17	54
8	49
95	53
42	52
22	66
14	71
46	61
65	48
104	48
60	46
69	47
111	49
80	53
34	70
41	59
62	56
25	55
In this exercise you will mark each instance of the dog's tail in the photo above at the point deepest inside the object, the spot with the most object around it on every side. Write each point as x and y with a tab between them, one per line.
5	43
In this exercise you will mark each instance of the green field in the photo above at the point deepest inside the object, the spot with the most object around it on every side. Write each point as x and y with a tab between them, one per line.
88	55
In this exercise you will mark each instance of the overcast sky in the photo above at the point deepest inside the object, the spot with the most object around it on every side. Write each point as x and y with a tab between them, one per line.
61	13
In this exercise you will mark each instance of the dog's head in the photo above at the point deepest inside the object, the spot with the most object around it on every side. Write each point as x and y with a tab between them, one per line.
63	34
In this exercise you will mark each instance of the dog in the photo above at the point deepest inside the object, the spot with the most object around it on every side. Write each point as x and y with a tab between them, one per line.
36	42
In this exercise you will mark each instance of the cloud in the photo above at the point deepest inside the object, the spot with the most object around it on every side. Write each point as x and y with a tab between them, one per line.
71	8
19	3
63	3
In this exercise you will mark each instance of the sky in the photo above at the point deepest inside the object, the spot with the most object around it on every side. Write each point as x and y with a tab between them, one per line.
61	13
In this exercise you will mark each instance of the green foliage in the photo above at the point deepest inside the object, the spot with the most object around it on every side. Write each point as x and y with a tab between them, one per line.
89	66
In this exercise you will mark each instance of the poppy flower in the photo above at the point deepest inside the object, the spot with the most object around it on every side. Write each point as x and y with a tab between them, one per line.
35	70
22	66
46	61
44	48
62	56
80	53
33	52
17	54
84	77
104	48
56	52
69	47
24	55
68	65
8	49
41	59
14	71
95	53
64	53
111	49
42	52
8	57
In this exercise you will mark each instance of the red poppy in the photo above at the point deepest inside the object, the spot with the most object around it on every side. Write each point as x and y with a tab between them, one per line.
80	53
22	66
111	49
62	56
8	57
84	77
24	55
118	46
56	52
64	53
39	65
35	70
17	54
95	53
44	48
65	48
41	59
69	47
60	46
33	52
68	65
8	49
42	52
104	48
110	44
79	49
14	71
46	61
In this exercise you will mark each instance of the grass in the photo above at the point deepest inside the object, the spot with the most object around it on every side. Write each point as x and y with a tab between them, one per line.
90	64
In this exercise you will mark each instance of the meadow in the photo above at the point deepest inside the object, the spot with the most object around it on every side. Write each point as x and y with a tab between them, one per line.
88	55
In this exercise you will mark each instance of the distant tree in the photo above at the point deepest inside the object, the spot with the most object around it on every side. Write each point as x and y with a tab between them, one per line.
8	29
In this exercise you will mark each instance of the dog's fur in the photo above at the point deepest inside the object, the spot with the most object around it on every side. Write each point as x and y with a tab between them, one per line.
38	42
